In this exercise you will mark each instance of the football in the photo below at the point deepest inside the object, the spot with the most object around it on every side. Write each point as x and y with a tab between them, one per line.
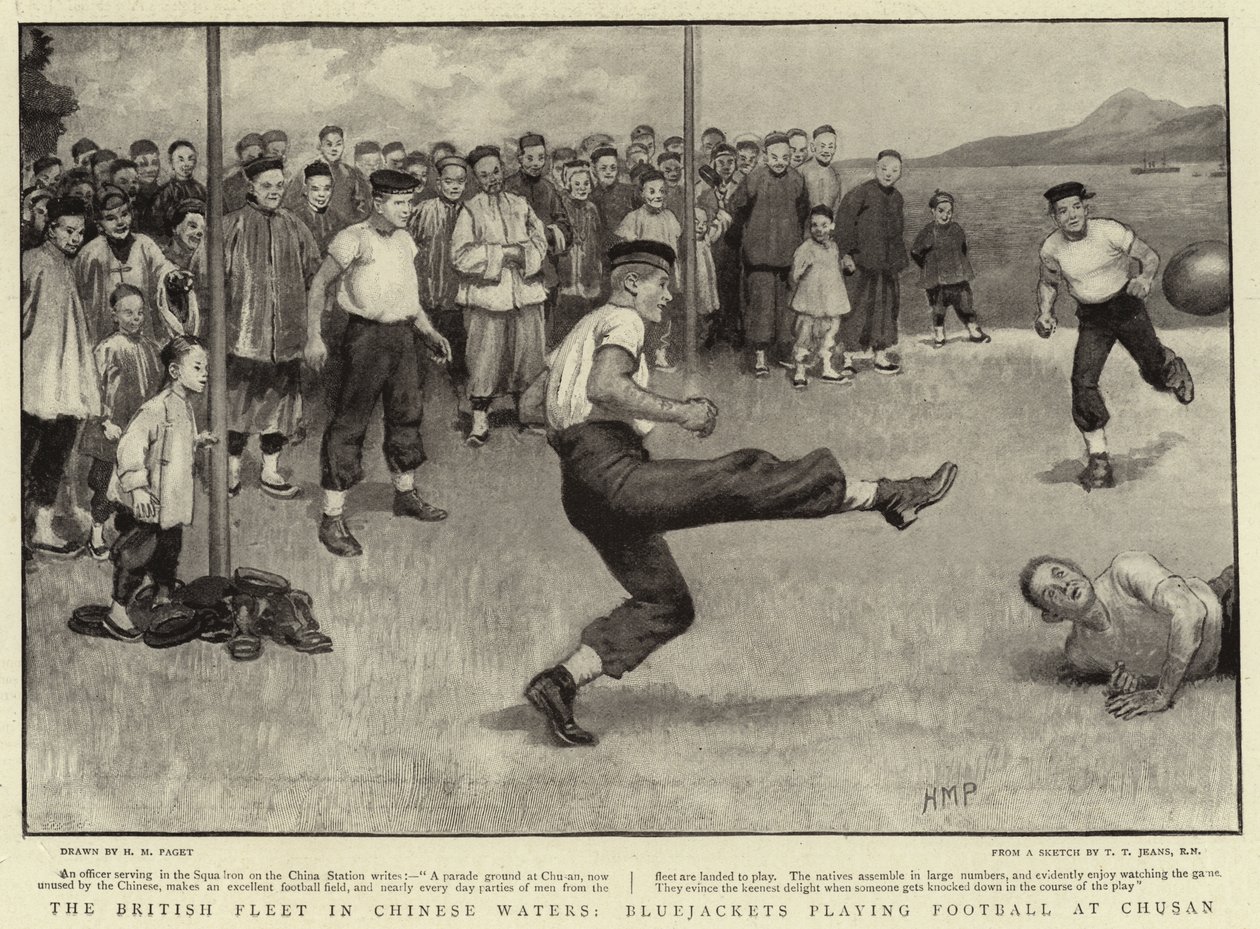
1197	280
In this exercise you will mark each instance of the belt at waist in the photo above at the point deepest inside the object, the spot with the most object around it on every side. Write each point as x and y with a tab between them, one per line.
605	431
363	320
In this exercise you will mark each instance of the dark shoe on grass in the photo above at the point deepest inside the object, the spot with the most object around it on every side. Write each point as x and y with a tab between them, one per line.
55	545
1177	377
552	693
290	623
411	504
89	620
901	501
244	646
336	537
1097	474
171	625
215	627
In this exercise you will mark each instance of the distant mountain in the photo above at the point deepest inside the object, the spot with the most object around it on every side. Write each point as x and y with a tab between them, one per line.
1126	128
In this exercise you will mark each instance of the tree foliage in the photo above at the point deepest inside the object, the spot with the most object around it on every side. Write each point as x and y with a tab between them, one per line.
43	105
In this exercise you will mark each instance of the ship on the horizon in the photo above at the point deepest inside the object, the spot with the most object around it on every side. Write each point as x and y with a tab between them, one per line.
1149	166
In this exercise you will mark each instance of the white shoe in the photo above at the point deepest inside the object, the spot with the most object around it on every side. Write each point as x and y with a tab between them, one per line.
277	486
234	476
479	434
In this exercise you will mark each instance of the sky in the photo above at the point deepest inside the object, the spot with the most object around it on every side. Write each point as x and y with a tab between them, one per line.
924	89
921	88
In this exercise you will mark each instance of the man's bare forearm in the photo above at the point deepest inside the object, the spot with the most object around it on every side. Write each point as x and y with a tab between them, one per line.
1185	635
1147	257
1045	297
423	323
626	398
1171	676
328	272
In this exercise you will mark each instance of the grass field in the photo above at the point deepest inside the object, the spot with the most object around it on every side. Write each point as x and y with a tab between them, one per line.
837	669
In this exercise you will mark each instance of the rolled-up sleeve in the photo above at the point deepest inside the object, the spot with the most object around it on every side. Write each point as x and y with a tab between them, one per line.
622	329
1139	575
1048	270
344	248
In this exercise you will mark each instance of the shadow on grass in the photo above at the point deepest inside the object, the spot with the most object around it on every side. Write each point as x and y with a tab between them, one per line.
1042	667
71	527
1130	467
667	705
368	497
1038	666
930	342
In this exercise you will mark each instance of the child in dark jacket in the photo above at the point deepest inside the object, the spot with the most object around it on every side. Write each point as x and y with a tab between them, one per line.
940	251
127	361
581	268
769	208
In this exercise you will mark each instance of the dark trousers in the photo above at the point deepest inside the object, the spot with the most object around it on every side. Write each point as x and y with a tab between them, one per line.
729	324
46	448
1121	319
450	323
768	316
379	361
549	316
98	477
875	298
622	502
1225	586
956	295
143	548
270	443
